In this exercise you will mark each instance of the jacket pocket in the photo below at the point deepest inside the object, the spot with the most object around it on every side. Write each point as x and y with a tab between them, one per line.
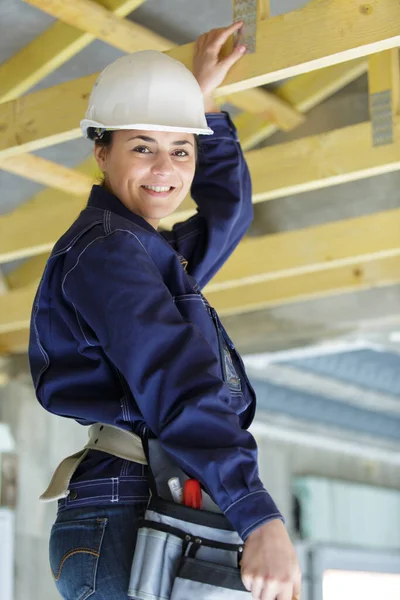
74	555
227	354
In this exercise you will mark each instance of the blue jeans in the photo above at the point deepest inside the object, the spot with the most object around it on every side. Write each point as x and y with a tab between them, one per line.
91	551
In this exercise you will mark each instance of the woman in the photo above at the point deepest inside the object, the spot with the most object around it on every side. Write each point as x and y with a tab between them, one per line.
121	334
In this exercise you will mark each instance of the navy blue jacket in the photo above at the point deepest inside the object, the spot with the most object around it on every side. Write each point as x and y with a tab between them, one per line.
121	334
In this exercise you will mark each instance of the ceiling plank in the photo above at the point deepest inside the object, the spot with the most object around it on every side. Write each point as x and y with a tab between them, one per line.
396	84
16	308
263	10
49	173
308	286
103	24
15	342
4	286
49	51
303	93
268	105
29	273
326	33
307	164
309	250
319	161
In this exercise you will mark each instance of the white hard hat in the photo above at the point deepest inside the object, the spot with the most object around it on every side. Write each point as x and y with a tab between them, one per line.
146	90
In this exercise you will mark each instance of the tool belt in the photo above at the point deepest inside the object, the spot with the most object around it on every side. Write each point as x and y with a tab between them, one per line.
105	438
181	552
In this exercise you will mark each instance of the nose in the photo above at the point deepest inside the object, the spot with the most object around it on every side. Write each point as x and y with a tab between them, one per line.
162	164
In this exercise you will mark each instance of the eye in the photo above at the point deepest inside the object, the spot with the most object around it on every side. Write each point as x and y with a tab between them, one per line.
181	153
142	150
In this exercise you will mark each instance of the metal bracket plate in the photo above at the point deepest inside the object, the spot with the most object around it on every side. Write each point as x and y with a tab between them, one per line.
246	11
382	118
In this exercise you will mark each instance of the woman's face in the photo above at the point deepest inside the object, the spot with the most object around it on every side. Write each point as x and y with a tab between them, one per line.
150	172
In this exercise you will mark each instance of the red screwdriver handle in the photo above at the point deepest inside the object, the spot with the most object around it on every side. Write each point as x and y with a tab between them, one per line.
192	494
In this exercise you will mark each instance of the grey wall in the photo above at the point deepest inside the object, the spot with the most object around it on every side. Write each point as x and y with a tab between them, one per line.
42	441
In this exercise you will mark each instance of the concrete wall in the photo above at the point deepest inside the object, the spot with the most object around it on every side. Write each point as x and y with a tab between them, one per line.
41	440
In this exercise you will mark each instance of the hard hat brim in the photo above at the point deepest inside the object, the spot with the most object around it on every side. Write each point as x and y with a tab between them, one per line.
86	123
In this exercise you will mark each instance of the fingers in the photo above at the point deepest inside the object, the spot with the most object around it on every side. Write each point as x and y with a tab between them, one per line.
216	38
297	587
256	587
286	592
225	33
269	590
235	55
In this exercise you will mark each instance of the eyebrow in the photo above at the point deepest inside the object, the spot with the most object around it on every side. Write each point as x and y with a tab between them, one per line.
153	141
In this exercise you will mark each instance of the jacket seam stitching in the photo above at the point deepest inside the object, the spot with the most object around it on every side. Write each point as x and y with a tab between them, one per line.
261	520
245	498
102	237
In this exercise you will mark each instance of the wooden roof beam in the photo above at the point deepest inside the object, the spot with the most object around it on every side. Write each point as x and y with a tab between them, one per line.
49	173
49	51
103	24
326	33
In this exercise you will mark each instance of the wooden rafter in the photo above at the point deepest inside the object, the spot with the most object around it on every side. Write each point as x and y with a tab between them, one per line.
49	51
269	106
3	283
15	342
91	17
309	286
311	250
48	173
326	33
264	9
302	93
307	164
27	274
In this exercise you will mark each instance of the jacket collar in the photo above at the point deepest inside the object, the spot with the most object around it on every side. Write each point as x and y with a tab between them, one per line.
103	199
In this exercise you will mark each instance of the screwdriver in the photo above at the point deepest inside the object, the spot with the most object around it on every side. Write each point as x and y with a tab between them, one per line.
192	496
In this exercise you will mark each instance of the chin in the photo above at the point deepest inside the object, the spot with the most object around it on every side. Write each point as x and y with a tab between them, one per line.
158	213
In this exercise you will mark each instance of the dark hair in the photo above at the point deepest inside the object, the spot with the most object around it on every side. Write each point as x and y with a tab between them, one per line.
100	139
106	137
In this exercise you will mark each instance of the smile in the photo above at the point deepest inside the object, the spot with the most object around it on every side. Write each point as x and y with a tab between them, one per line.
158	188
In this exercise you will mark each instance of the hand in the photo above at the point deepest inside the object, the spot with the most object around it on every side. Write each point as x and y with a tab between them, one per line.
208	68
270	569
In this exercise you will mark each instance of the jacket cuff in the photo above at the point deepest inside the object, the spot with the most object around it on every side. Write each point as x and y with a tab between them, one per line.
222	126
252	511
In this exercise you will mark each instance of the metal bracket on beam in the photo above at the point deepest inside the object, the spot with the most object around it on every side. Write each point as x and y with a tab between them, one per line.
246	11
382	118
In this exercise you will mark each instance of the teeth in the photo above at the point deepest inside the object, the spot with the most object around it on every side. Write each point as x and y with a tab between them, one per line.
158	188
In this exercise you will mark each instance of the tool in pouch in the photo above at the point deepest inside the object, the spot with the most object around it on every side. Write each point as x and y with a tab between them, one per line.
183	552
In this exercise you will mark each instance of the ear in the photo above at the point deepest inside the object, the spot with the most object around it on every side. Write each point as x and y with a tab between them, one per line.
100	154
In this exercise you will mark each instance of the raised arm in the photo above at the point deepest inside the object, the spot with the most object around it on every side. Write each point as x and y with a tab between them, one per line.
222	186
